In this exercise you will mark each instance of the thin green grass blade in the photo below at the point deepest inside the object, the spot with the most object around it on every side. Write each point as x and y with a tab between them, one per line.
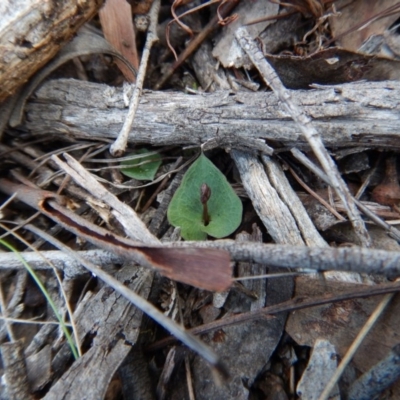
47	296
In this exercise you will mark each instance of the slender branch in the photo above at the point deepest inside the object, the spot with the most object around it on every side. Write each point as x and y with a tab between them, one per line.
353	259
119	146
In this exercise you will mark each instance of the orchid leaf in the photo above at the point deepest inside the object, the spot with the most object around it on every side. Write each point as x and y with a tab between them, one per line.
217	213
142	168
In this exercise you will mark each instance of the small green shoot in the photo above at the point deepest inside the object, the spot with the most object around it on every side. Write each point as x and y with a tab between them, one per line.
205	203
143	168
47	296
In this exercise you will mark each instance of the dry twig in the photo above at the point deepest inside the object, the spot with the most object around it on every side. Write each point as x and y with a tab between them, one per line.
355	345
347	115
119	146
291	305
352	259
304	123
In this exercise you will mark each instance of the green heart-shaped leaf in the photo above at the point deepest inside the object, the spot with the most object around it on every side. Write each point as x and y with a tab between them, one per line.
142	168
224	206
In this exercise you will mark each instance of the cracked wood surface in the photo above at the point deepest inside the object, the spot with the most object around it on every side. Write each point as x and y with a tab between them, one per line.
356	114
114	324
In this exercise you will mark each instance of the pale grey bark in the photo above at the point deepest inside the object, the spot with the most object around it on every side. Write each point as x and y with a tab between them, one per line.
15	375
361	113
378	378
116	333
286	193
273	212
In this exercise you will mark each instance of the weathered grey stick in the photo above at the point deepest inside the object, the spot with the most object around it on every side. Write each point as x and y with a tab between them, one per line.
360	113
307	128
61	261
354	259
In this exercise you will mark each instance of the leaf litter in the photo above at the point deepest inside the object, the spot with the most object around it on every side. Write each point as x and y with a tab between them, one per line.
253	352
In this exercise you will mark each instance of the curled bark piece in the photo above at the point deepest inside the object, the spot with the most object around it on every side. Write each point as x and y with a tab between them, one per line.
32	32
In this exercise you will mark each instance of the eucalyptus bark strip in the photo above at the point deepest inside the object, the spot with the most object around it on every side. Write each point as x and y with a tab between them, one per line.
15	372
378	378
272	211
286	193
117	325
